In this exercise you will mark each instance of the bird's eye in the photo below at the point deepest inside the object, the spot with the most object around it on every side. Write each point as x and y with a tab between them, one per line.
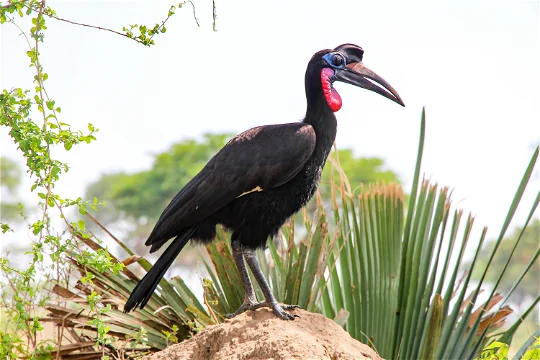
337	60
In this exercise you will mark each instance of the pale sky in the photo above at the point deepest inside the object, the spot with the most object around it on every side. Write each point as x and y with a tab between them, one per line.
473	64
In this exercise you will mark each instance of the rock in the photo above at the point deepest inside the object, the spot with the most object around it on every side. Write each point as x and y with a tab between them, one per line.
259	335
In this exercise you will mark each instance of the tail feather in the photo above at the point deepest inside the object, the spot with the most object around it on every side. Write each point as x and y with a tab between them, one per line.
145	288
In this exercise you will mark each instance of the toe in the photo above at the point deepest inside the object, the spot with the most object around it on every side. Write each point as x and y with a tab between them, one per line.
290	307
255	306
282	314
289	316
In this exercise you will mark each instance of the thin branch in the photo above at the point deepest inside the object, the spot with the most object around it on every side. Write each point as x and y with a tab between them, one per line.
194	15
214	15
87	25
169	16
52	16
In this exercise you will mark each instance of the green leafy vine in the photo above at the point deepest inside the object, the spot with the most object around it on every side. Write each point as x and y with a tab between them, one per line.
33	120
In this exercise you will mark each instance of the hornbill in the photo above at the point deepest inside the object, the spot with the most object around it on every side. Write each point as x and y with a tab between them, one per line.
259	179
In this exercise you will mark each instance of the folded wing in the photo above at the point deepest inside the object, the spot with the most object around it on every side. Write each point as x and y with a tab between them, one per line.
263	157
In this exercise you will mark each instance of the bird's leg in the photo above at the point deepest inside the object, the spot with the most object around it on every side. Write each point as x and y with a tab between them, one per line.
271	302
250	300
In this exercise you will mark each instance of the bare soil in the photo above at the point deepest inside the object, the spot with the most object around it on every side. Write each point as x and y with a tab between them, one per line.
259	335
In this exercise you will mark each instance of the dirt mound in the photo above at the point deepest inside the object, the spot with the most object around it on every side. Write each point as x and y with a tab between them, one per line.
259	335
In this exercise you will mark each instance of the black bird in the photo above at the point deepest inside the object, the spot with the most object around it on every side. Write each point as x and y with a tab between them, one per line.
259	179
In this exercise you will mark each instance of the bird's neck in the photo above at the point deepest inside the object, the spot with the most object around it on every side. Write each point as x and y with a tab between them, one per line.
322	119
319	115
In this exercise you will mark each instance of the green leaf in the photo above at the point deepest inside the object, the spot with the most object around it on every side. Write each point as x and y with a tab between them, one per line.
434	329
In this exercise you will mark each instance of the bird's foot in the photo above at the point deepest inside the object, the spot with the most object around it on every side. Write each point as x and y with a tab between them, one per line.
248	304
280	310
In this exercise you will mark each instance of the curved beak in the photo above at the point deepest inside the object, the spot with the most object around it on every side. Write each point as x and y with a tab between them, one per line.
357	74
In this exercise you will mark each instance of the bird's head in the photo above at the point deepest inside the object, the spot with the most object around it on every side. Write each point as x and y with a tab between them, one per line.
344	63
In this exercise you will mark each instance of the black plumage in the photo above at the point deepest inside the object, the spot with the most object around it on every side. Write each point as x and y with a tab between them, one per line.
259	179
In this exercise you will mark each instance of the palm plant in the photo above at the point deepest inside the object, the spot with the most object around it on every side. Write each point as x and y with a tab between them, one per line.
401	282
392	280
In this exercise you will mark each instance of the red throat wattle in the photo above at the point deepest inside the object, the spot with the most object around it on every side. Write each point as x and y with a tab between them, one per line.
330	94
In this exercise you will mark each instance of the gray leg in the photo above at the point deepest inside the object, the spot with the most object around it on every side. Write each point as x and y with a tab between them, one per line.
278	309
250	300
241	265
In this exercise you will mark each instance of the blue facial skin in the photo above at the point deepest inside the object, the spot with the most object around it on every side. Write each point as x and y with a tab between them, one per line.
333	58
